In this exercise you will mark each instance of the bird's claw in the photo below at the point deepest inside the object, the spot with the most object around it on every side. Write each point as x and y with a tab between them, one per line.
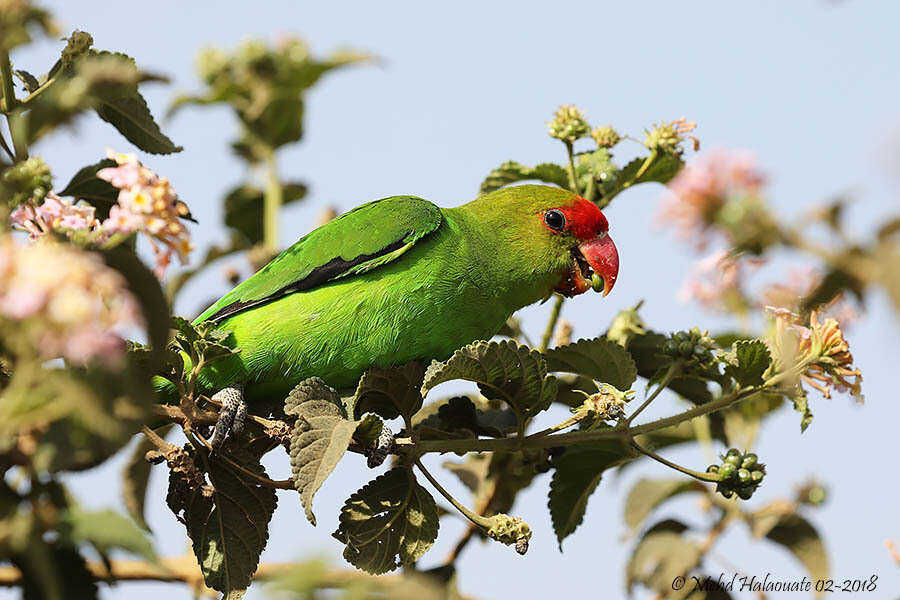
380	448
231	416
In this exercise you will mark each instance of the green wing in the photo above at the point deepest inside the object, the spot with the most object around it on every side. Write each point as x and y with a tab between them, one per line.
358	241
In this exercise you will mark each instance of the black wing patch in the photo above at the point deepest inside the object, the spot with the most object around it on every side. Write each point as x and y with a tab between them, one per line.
322	274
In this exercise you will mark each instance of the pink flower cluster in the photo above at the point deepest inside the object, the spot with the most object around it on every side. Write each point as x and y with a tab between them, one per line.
66	301
54	213
700	190
716	281
146	203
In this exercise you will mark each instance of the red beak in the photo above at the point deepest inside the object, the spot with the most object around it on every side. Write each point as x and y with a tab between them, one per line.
603	257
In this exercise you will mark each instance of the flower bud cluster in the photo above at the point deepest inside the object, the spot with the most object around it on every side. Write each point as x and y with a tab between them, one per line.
510	530
27	180
667	137
568	124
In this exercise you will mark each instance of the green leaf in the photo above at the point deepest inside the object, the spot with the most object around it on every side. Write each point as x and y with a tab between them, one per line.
503	371
661	170
136	476
599	358
86	185
78	417
120	104
662	555
577	471
244	208
751	359
320	437
105	530
647	494
367	430
391	521
131	116
227	519
803	541
511	172
390	392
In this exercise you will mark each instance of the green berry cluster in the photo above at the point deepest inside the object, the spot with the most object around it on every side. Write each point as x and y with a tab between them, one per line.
694	346
740	474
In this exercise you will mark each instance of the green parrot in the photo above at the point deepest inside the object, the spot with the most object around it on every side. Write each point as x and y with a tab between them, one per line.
400	279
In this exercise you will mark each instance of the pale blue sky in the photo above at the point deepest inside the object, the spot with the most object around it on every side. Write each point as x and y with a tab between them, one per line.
810	86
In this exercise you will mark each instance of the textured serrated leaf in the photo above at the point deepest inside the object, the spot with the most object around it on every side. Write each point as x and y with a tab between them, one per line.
105	530
390	392
577	471
367	430
647	494
391	521
503	371
752	358
511	172
598	358
803	541
228	521
85	184
319	439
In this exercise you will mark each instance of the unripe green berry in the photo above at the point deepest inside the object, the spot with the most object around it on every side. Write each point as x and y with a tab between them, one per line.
743	475
670	347
756	476
597	282
749	461
745	493
685	348
727	470
727	493
733	456
712	469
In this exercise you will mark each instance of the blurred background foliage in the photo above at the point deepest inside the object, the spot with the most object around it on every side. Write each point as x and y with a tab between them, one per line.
73	394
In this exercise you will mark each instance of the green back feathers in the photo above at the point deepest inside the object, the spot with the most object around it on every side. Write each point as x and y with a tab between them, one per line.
358	241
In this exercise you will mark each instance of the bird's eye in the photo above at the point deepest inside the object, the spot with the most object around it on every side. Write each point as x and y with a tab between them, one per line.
555	219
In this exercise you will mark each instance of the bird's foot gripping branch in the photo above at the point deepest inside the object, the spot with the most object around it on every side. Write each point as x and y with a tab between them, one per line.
393	520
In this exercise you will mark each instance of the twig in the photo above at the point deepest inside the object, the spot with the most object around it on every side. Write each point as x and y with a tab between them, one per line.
476	519
709	477
671	373
551	324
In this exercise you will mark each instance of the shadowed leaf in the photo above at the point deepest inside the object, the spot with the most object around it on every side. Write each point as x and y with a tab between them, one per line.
503	371
85	184
391	521
577	471
390	392
227	519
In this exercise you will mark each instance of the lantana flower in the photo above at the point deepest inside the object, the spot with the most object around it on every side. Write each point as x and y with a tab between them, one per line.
67	302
